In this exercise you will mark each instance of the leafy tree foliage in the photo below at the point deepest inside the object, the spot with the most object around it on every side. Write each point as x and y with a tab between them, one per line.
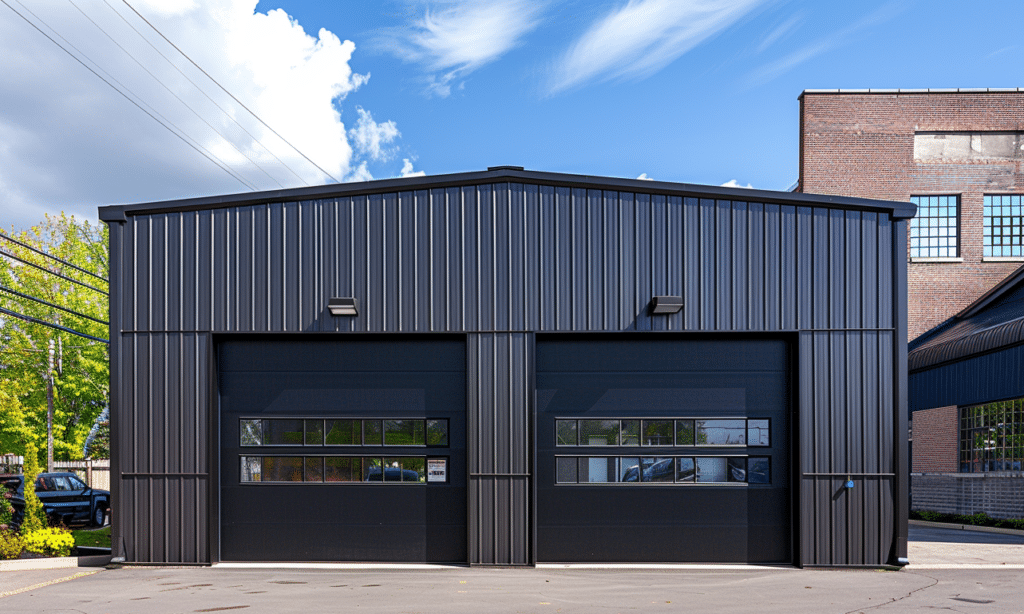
81	366
35	517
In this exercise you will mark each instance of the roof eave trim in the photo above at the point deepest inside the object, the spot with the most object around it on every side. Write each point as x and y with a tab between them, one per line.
897	210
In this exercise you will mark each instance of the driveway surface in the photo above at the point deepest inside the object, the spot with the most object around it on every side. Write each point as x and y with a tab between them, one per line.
921	587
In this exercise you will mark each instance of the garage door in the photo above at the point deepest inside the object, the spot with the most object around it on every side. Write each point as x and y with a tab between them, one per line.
347	450
662	450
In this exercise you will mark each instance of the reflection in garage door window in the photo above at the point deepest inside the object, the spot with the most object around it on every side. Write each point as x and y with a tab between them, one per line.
630	433
252	468
721	432
629	469
599	432
565	433
343	469
596	470
403	433
282	433
251	432
685	470
404	469
314	432
437	432
684	432
566	470
657	433
282	468
314	467
372	433
758	433
712	470
759	470
657	470
344	432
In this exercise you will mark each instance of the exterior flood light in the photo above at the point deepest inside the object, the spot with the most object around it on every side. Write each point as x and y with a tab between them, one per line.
666	304
343	306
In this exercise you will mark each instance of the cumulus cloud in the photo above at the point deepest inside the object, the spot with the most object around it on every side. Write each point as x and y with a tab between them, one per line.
370	138
456	37
407	169
644	177
68	141
641	37
732	183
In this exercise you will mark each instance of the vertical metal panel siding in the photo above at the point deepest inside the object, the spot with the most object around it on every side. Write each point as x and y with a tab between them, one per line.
499	262
499	406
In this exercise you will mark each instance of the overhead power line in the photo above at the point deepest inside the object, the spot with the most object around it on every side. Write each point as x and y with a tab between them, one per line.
199	148
26	318
225	90
42	302
46	270
51	256
226	113
171	92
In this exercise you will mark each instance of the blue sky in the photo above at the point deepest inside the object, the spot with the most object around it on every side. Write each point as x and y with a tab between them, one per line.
689	91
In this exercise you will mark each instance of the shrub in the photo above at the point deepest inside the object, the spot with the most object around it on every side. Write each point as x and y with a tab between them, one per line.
51	541
35	516
11	545
6	509
980	519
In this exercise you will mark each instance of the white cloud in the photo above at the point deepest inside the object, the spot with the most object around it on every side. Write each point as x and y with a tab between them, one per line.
459	36
370	138
68	141
732	183
641	37
644	177
407	169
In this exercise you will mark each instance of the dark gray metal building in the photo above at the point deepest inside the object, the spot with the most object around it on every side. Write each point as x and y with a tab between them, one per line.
536	367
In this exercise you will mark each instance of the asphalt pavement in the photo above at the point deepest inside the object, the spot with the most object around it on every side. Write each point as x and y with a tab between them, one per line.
924	586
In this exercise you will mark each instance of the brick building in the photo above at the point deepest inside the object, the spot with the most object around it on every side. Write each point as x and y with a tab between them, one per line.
959	155
944	149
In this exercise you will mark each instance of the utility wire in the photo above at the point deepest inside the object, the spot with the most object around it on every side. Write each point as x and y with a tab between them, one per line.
203	92
42	253
171	92
42	302
46	270
199	148
226	91
26	318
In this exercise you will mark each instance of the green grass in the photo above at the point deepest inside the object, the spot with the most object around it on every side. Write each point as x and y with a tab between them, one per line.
94	539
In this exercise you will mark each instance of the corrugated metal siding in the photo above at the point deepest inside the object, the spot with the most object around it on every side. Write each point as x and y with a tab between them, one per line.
979	379
513	259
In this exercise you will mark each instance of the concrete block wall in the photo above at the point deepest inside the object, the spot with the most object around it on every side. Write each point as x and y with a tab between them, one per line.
860	144
998	495
936	440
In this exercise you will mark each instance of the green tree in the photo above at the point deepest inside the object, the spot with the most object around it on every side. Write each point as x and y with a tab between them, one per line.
81	366
35	517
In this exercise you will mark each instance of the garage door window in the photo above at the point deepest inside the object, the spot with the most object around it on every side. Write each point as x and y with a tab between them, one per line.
683	470
333	469
348	432
663	432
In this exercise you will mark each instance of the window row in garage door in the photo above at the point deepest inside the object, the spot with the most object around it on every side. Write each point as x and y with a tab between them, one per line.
664	432
663	470
343	469
342	432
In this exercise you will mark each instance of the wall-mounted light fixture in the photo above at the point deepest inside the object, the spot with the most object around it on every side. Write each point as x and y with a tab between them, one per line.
666	304
343	306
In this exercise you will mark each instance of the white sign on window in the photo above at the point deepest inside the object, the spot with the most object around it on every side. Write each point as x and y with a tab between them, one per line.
437	469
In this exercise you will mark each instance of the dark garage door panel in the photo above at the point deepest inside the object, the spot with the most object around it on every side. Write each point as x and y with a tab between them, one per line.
590	378
364	378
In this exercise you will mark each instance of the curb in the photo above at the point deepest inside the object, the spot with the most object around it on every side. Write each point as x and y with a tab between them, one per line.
55	562
966	527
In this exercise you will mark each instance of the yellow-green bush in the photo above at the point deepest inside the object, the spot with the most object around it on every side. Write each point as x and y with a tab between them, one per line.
11	545
34	517
52	541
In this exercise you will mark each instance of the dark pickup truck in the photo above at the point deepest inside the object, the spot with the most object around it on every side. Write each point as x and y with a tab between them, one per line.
65	497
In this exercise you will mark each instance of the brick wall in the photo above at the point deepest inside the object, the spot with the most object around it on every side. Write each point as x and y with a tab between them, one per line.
999	496
936	440
863	145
